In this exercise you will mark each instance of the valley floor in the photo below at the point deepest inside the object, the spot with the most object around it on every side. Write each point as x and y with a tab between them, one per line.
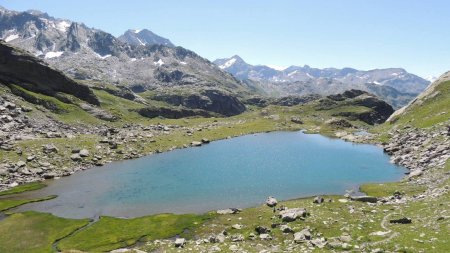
338	224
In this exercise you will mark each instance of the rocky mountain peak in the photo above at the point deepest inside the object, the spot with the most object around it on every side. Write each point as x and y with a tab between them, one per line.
144	37
233	62
39	13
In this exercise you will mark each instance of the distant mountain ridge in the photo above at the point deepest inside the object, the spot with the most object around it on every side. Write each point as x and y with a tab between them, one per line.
395	85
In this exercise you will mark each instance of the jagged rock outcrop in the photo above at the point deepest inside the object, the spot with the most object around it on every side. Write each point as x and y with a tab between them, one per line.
378	111
282	101
144	37
295	100
22	69
212	100
172	112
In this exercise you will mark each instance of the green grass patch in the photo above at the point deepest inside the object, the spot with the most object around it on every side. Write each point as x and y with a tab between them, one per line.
111	233
65	112
32	232
24	188
6	204
429	230
388	189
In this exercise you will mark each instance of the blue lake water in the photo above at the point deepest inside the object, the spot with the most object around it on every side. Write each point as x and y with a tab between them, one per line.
239	172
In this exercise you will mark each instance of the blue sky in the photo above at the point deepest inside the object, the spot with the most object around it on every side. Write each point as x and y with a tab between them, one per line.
363	34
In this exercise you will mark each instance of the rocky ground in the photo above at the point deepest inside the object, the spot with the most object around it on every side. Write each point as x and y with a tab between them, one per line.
421	151
50	157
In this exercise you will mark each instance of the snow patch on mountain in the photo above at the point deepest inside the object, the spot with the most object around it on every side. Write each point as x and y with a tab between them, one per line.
140	42
63	26
11	37
276	67
50	55
103	56
228	63
293	73
159	62
431	78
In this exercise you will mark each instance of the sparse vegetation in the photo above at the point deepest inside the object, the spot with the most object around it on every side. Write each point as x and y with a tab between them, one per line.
111	233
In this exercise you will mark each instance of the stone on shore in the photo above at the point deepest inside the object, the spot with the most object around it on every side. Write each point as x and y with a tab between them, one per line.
292	214
265	237
271	201
75	157
229	211
84	153
196	144
180	242
302	236
318	200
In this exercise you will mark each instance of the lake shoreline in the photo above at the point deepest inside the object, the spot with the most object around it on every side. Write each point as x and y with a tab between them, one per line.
280	139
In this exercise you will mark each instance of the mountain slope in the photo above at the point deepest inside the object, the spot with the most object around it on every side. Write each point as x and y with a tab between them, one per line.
93	55
394	85
144	37
100	60
430	108
19	68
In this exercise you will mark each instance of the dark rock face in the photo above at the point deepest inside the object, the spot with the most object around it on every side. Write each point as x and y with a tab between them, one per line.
347	94
295	100
381	110
120	91
257	101
209	100
172	113
20	68
379	113
104	44
340	123
223	103
167	77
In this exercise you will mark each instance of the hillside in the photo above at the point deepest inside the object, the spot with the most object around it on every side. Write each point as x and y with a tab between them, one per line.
430	108
23	69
